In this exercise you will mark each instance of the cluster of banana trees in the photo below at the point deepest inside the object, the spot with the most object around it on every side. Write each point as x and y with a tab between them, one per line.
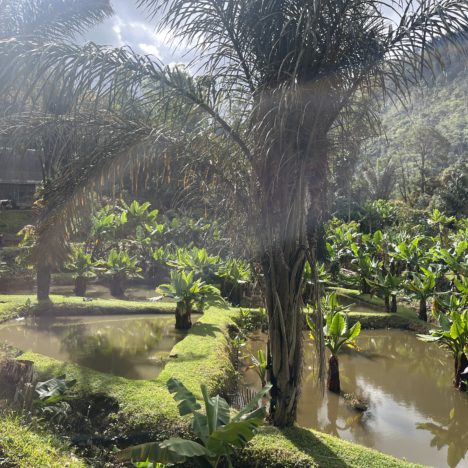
423	264
132	240
427	261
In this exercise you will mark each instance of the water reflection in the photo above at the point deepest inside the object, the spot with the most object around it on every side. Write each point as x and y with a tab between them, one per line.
414	412
135	347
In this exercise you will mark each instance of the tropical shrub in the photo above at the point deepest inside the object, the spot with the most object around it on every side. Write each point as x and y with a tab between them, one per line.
235	275
218	434
198	261
337	334
422	285
83	266
452	334
189	293
119	266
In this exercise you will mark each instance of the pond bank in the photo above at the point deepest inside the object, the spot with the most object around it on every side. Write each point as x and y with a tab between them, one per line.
16	305
204	356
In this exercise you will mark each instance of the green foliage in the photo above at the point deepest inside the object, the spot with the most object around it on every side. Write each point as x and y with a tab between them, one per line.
185	288
218	433
422	284
120	263
236	271
81	262
250	320
260	365
336	331
53	396
197	261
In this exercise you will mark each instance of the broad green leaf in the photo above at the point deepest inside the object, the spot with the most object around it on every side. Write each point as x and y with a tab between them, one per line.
217	410
253	404
174	450
188	402
338	325
236	433
354	331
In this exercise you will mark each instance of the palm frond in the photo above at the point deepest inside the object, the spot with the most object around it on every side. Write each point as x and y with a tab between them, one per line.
50	19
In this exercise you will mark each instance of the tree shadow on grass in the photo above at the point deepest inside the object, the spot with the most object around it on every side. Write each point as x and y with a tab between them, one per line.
309	444
205	329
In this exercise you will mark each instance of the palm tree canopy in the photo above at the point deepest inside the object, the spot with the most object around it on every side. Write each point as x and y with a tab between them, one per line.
50	19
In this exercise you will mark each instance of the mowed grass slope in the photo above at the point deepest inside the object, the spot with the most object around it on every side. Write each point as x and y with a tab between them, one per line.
204	357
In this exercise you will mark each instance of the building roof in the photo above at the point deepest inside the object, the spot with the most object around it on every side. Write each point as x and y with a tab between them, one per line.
20	167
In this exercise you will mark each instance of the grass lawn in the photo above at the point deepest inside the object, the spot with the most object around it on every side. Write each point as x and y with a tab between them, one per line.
13	305
202	357
24	446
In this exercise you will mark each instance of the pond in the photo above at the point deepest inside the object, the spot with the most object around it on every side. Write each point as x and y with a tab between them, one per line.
414	412
136	347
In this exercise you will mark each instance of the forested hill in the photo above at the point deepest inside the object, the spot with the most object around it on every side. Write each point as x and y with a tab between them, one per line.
423	156
442	105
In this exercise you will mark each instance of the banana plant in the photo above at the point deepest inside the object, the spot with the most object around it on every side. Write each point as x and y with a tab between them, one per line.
203	265
218	434
410	253
363	262
452	334
119	266
235	274
83	266
422	285
136	214
189	293
387	285
337	334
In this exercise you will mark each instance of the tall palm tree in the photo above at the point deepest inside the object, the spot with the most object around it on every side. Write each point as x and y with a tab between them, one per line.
273	77
46	20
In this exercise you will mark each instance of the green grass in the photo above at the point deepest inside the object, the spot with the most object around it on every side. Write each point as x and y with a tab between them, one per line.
12	221
23	446
303	448
203	357
405	318
11	305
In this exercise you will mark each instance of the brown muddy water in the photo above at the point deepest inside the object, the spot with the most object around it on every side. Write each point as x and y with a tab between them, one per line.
136	347
413	410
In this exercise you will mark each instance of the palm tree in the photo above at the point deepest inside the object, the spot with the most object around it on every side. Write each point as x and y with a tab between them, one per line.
275	78
49	20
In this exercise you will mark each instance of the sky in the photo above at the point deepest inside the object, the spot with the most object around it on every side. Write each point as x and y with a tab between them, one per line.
130	26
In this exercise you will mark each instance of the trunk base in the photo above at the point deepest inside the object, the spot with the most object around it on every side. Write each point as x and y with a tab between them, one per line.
333	381
183	316
43	283
80	286
117	288
422	315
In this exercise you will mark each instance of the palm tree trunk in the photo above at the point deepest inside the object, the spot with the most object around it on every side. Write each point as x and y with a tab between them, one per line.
393	305
43	282
183	316
283	285
422	309
333	382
